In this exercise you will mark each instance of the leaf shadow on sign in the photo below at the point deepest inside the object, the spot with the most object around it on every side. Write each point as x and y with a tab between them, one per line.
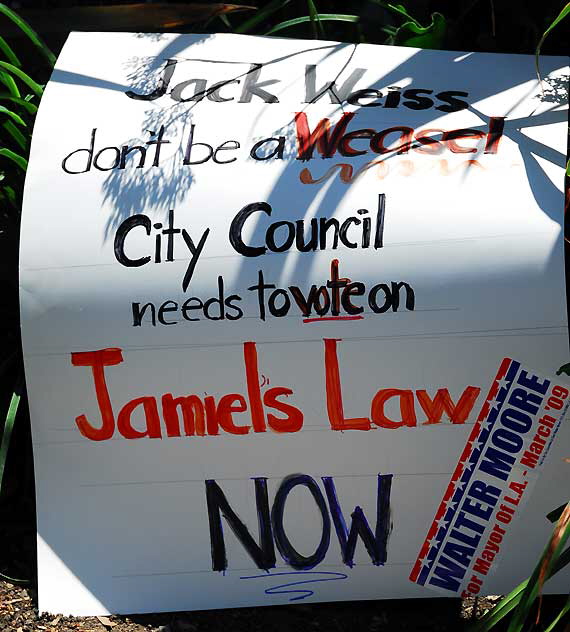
134	191
161	189
330	188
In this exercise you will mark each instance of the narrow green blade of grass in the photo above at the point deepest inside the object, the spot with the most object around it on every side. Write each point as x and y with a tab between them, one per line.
563	13
29	32
556	621
396	8
8	427
15	580
224	18
10	84
432	36
253	21
9	53
15	117
15	134
510	601
333	17
552	552
14	157
34	87
8	195
501	610
315	21
29	107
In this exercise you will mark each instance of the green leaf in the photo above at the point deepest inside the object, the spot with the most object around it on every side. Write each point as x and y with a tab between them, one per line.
389	30
8	194
16	135
335	17
501	610
273	6
14	157
565	368
30	33
12	115
9	82
29	107
15	580
397	8
224	18
35	87
564	610
10	54
8	427
511	601
315	21
551	553
563	13
432	36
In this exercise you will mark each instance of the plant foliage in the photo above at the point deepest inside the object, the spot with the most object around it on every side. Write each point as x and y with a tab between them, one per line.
20	94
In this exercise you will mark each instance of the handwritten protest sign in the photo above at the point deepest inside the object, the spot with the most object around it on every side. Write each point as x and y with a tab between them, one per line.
266	285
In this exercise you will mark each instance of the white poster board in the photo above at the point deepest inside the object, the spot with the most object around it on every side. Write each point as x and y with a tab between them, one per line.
268	287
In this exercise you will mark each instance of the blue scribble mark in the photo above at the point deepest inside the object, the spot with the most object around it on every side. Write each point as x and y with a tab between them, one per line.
303	593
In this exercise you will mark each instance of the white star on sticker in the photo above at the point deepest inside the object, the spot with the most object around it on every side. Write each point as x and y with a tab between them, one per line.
468	466
449	503
494	404
458	485
502	383
425	562
480	445
441	523
432	542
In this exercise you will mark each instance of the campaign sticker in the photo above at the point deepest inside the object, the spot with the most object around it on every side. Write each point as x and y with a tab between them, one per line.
495	473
